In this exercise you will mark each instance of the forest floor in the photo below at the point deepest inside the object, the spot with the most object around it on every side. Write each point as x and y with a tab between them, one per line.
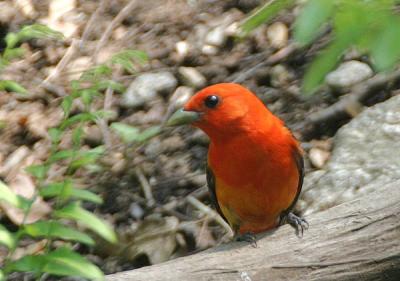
174	34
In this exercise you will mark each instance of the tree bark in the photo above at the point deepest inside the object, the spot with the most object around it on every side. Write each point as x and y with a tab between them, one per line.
357	240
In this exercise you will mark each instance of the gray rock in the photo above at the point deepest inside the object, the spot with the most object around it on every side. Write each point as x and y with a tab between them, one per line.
216	37
192	77
348	74
181	95
146	87
366	155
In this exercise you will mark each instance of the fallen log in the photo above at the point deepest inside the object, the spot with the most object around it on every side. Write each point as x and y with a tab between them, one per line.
357	240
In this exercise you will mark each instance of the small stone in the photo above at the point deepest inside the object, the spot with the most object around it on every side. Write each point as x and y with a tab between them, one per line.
27	8
119	33
182	49
118	167
192	77
136	211
277	34
153	148
209	50
318	157
146	87
7	11
280	76
93	135
232	29
216	37
348	74
181	95
173	143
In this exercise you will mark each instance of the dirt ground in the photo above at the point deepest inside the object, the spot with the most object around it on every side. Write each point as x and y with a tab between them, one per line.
172	164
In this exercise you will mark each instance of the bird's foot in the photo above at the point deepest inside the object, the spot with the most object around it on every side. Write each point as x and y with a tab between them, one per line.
248	237
296	222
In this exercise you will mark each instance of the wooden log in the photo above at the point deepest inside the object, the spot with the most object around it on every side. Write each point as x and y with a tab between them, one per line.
357	240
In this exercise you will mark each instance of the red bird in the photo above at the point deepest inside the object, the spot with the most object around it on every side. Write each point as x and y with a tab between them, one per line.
255	165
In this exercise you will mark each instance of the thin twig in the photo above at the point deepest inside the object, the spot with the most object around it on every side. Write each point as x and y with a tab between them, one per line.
63	62
207	211
51	87
89	26
127	10
271	60
102	123
146	187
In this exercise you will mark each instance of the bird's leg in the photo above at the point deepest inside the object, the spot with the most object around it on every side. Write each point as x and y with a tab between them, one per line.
296	222
248	237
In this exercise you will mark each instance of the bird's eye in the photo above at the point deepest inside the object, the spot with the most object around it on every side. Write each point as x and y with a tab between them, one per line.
211	101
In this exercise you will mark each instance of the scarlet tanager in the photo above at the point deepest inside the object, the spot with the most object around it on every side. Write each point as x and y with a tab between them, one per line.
255	165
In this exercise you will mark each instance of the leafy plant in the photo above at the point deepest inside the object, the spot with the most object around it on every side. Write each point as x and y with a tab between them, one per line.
372	27
63	227
12	51
130	134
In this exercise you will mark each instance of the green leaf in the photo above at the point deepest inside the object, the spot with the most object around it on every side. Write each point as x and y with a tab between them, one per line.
63	190
8	196
115	86
131	134
2	276
61	155
126	132
75	212
263	15
96	72
66	190
55	229
128	58
77	136
38	171
11	40
86	195
65	262
66	105
85	117
312	17
27	263
6	238
87	157
87	96
386	51
149	133
12	86
62	262
320	66
55	135
350	24
10	54
38	31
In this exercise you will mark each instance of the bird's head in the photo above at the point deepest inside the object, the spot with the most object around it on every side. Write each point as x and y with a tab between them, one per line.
219	108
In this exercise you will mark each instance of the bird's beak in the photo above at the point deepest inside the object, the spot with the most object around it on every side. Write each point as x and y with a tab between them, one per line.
182	117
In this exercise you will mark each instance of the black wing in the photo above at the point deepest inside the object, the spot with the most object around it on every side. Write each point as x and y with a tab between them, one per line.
213	193
298	157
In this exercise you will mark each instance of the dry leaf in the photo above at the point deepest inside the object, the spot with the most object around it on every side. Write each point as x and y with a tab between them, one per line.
22	184
155	237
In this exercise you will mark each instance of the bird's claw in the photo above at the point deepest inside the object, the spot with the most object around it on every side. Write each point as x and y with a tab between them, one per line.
248	237
296	222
